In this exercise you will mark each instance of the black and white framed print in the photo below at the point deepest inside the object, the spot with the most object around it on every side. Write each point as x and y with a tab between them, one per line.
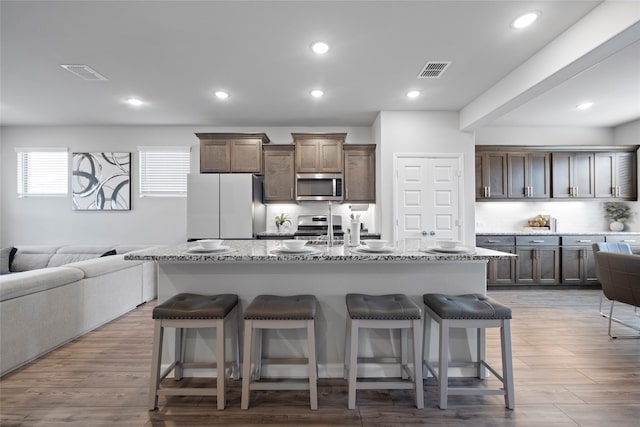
101	181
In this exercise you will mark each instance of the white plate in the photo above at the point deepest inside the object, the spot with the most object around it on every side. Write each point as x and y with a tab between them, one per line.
458	250
370	251
200	250
304	251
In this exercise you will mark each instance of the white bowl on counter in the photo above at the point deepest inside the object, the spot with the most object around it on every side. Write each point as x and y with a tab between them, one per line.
448	244
294	245
375	243
210	243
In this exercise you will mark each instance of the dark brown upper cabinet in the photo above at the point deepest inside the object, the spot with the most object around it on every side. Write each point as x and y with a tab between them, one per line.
573	175
360	173
319	152
491	175
556	172
529	175
231	152
616	175
279	173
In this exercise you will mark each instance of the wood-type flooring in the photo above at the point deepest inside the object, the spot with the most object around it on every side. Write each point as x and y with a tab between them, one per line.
568	372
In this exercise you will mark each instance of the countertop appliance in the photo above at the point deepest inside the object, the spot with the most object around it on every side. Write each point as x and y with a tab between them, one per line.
314	227
318	186
224	206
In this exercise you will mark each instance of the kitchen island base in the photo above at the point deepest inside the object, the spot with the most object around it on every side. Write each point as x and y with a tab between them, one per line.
329	282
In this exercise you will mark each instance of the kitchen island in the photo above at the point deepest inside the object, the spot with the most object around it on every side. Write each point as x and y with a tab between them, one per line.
253	267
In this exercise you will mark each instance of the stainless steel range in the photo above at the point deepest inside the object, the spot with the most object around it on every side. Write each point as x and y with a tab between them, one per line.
316	227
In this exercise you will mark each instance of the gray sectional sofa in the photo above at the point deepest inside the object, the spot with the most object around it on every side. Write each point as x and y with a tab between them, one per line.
53	294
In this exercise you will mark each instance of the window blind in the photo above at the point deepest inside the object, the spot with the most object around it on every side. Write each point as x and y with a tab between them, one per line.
42	172
163	171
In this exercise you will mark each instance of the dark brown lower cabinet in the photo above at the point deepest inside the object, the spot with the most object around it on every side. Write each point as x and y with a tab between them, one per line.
538	260
499	272
578	260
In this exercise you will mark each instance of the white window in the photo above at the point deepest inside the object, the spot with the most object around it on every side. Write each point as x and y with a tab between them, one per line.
163	171
43	171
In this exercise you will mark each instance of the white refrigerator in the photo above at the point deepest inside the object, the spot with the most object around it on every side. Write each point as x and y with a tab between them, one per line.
224	206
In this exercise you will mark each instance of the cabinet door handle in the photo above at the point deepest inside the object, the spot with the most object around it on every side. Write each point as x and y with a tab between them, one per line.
493	241
488	191
584	241
618	191
575	191
291	192
628	241
536	241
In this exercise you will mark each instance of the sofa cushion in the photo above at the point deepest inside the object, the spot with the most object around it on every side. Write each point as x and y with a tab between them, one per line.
99	266
32	257
29	282
74	253
6	258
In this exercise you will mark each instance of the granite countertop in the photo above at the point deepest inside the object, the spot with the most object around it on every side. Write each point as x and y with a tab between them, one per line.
269	251
557	233
290	234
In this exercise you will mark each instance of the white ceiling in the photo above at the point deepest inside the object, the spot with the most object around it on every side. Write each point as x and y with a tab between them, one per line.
175	54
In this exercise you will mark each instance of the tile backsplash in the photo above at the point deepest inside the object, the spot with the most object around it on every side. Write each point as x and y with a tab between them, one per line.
572	216
367	217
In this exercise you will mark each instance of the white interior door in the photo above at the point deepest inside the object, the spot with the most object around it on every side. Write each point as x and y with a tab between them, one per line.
427	195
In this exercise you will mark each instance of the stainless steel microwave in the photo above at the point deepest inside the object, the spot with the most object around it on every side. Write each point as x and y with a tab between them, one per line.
318	186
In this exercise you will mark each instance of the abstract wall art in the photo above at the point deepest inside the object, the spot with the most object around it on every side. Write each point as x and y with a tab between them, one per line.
101	181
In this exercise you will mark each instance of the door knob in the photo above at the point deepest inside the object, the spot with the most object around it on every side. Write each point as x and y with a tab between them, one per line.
431	233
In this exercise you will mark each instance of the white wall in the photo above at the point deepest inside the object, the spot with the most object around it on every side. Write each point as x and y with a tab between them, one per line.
162	220
573	216
423	132
50	220
627	134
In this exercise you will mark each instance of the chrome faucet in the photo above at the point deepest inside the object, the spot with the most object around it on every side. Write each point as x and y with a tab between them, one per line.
330	226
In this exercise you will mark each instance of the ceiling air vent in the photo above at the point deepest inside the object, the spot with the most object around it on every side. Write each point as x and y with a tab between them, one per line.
84	72
433	69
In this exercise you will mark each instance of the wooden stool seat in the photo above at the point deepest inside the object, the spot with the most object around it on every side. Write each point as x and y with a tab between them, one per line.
396	311
278	312
185	311
469	311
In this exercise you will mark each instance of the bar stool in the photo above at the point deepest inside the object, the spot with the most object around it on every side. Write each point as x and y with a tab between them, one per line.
470	311
278	312
395	311
184	311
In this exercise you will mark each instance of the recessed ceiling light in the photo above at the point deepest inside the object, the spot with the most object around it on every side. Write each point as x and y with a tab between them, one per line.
135	102
222	94
525	20
413	94
320	48
584	106
317	93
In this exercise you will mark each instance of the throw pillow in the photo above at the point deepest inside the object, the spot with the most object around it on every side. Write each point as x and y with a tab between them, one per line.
109	253
6	258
